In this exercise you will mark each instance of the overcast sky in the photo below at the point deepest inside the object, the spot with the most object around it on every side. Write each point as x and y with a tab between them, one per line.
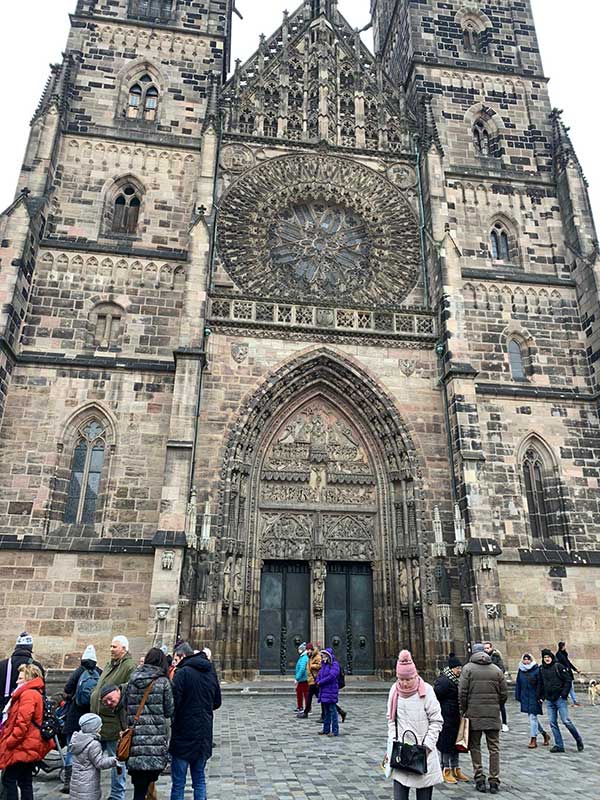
33	34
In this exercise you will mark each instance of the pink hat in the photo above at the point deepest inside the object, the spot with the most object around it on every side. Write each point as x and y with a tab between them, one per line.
405	668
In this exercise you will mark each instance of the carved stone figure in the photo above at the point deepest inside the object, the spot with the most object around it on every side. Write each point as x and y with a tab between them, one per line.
227	579
168	560
416	581
239	351
237	582
203	573
403	582
319	573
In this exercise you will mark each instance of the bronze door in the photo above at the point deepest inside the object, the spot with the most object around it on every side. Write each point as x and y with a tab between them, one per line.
349	628
284	615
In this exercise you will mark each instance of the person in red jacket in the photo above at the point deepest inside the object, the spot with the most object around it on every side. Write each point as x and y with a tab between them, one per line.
21	743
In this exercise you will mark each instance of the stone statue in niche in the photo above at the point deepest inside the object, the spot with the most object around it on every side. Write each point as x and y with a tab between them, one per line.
227	579
168	560
237	582
403	582
319	573
416	581
203	573
443	583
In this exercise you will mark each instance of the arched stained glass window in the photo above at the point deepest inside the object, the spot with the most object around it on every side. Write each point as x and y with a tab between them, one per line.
126	211
536	493
86	472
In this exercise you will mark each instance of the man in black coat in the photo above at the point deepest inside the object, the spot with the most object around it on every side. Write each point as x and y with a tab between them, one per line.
197	695
9	667
563	658
554	689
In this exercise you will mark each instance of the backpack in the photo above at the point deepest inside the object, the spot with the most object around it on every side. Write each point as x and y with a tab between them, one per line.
341	678
50	726
85	686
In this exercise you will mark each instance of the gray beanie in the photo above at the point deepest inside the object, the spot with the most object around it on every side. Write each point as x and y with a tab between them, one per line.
478	648
90	723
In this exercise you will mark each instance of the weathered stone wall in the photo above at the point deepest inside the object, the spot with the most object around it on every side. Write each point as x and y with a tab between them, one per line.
542	608
69	600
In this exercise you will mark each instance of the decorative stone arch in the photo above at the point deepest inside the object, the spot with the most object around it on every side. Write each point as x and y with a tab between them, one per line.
111	190
517	333
128	76
483	116
533	447
72	430
476	27
395	550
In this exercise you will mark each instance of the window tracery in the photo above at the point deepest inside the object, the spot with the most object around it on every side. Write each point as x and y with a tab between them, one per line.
500	242
536	493
143	99
86	471
126	210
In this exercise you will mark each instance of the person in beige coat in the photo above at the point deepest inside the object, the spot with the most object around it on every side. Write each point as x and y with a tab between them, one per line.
482	690
413	706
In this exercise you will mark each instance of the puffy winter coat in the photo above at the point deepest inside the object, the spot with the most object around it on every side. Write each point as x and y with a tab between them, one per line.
423	717
555	682
21	741
88	760
302	668
482	690
149	746
327	679
496	657
20	656
314	665
75	712
446	691
117	672
197	694
528	689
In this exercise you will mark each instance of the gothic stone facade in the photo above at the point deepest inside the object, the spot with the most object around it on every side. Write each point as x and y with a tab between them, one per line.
307	350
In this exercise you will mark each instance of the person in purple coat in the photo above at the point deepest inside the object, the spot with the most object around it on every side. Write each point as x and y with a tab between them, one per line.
328	683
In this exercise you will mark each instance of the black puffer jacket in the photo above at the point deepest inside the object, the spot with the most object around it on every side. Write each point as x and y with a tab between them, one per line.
197	694
556	681
446	691
75	711
149	748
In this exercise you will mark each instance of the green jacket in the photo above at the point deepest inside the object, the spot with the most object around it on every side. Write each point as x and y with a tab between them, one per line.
117	672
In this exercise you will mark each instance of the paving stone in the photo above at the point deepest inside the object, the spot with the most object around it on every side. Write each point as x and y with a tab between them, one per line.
264	753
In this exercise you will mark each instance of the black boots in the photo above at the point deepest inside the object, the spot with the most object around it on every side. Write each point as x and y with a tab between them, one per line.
67	785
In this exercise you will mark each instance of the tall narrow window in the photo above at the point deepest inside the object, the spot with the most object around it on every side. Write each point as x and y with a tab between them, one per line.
143	99
500	243
126	211
481	138
536	492
515	356
471	38
86	471
107	324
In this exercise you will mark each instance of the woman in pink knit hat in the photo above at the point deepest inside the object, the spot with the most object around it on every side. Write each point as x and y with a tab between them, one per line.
412	704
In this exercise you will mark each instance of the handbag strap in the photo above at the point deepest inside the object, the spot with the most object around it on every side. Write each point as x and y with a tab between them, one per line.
144	699
8	677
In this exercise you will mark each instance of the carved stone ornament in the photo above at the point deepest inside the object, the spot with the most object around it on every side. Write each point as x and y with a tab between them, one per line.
239	351
402	175
167	560
407	367
319	228
236	158
493	610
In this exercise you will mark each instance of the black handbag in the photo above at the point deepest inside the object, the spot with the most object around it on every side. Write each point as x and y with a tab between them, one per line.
408	757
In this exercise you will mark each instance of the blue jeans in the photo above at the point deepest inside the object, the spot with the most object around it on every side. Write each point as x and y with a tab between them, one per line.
572	694
535	726
179	768
330	719
118	783
560	708
69	755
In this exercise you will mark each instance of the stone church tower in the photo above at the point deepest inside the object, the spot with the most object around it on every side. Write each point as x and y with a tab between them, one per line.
306	349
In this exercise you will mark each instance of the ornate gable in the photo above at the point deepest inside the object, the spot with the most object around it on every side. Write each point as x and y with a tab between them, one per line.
314	80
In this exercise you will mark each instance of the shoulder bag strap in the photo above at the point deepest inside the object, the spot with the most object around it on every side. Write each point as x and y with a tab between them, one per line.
144	699
8	677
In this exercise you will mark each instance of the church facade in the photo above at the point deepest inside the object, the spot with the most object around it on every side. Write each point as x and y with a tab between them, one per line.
305	348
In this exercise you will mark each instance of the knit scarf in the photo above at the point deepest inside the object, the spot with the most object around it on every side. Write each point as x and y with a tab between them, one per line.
447	671
526	667
419	688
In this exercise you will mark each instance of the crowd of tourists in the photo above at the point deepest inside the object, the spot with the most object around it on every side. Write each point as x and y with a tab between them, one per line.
132	719
140	720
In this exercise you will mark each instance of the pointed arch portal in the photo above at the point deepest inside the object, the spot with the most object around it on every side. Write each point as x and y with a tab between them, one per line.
319	523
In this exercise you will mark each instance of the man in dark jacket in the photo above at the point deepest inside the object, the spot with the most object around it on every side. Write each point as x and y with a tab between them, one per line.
482	690
554	689
563	658
9	667
197	695
496	657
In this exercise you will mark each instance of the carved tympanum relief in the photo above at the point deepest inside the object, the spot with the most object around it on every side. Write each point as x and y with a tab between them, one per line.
318	472
319	228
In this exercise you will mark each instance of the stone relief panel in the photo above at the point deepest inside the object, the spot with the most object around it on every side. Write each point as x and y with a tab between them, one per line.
286	536
319	228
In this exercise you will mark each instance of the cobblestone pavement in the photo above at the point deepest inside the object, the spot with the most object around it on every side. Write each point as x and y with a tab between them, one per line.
264	753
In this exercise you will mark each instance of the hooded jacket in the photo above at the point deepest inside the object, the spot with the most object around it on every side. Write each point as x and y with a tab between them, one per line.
149	746
314	665
482	690
21	655
446	691
302	668
75	711
197	695
117	672
88	760
556	681
327	679
21	741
